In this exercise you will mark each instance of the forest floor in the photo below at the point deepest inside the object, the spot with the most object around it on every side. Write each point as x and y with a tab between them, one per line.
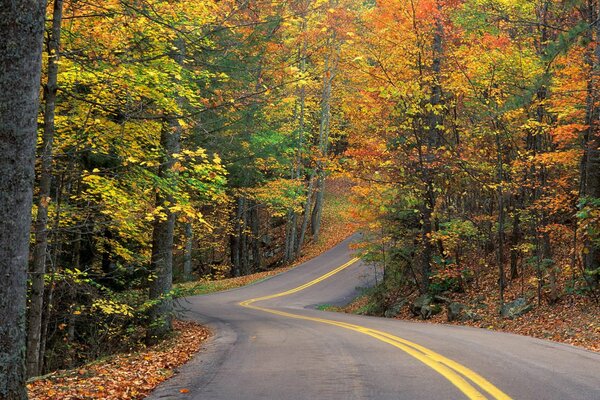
123	376
134	375
574	319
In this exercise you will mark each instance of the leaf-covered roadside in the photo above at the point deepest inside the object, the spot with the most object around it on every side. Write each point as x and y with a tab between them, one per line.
124	376
134	375
573	320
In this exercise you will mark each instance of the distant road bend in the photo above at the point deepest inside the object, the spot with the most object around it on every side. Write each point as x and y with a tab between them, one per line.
271	343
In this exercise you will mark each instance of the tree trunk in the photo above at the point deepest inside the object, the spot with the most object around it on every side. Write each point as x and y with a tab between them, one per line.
255	226
163	231
317	212
591	167
427	256
501	220
49	292
244	267
306	217
22	29
236	250
324	128
162	242
515	238
433	138
38	268
187	257
290	237
542	145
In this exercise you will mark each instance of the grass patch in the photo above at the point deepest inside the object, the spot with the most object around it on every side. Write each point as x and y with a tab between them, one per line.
205	286
327	307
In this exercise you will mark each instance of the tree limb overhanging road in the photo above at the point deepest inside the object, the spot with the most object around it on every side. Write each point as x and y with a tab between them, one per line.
271	343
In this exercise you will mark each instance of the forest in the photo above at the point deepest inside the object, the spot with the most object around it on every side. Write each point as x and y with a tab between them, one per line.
184	141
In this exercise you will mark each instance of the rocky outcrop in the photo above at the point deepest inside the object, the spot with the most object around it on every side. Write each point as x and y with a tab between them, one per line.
515	308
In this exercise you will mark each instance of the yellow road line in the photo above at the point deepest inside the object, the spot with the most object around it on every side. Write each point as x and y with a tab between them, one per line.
449	369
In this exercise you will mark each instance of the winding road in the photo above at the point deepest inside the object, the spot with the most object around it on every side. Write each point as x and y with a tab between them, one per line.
271	343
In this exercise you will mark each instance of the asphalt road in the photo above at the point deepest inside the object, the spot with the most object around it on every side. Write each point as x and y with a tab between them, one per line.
276	345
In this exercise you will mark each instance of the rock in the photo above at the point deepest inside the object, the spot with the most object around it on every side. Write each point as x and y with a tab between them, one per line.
442	299
472	316
515	308
419	303
460	312
455	311
394	310
479	299
423	307
435	309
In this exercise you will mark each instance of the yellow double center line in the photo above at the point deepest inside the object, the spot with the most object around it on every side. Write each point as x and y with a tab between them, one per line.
451	370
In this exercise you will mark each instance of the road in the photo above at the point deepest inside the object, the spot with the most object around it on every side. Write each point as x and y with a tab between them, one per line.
271	343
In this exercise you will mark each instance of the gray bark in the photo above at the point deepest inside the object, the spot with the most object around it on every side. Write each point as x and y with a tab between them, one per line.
501	219
433	139
235	239
324	128
290	237
38	268
187	257
162	243
306	216
49	292
161	314
515	238
255	225
299	162
21	28
318	207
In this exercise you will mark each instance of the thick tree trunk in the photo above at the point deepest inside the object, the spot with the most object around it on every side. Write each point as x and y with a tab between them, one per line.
21	28
161	314
290	236
162	242
433	139
38	268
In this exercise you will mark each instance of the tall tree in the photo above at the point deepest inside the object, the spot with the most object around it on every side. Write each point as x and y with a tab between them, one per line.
164	225
22	28
591	156
38	268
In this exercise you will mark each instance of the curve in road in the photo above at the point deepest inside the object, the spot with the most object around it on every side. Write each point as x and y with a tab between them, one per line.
449	369
285	349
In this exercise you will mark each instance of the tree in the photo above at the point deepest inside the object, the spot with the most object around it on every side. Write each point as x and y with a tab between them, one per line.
591	154
467	117
40	250
22	28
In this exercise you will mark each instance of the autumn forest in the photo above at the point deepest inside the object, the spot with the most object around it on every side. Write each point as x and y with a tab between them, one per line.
195	141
